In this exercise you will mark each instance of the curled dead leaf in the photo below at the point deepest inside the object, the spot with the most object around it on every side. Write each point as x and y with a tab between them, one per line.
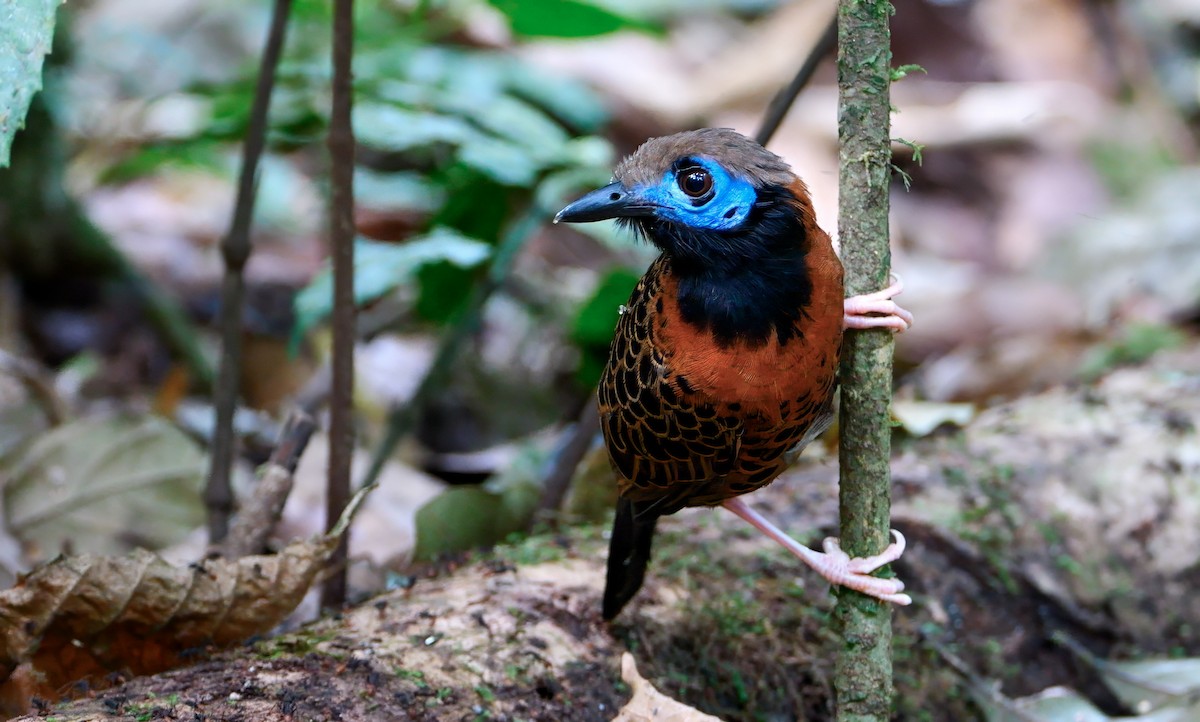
85	615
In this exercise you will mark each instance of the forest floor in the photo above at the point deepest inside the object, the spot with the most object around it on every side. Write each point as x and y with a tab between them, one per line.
1059	522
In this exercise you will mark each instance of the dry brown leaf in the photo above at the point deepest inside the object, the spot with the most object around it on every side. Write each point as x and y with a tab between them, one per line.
650	705
85	615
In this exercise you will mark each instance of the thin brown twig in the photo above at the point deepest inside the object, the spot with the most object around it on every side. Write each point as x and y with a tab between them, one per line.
782	102
574	448
260	514
341	236
38	382
235	248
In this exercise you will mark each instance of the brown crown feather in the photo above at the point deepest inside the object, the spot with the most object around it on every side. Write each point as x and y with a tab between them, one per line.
735	152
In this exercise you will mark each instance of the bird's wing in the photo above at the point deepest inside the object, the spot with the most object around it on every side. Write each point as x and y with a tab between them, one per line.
666	442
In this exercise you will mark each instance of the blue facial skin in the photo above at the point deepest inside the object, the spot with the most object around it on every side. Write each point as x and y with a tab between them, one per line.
729	205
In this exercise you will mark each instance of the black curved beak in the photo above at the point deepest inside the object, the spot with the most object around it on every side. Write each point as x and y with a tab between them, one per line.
612	201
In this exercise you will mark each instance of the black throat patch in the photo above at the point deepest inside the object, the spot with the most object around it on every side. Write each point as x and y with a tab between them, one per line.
743	285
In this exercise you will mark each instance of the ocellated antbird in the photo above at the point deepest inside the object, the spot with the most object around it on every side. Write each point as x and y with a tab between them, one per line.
725	359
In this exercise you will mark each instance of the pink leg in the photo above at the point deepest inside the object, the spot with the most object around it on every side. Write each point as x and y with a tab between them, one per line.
835	565
878	310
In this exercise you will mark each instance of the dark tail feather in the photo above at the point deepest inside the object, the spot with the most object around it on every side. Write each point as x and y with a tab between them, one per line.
628	555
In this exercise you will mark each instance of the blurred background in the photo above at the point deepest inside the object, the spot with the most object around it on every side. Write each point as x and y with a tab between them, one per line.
1045	219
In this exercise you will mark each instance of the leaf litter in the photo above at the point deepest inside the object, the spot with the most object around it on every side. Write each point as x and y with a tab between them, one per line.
83	617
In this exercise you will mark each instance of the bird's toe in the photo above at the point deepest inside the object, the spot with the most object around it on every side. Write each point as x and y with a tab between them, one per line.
888	590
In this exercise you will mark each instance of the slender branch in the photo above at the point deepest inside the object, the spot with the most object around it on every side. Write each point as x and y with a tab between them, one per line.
863	672
341	234
235	249
782	102
38	382
571	452
260	514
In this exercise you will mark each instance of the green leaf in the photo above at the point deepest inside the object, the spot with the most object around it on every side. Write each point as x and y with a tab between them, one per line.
460	518
280	183
465	75
380	268
465	517
597	317
196	153
676	10
445	289
569	100
504	162
564	19
26	32
593	328
406	191
590	167
398	91
475	204
903	71
230	108
388	128
1134	344
523	124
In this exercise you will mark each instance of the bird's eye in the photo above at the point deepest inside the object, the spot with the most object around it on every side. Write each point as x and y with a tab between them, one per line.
694	181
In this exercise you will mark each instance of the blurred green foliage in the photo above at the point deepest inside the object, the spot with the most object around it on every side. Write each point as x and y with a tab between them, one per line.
459	148
1134	344
593	328
461	138
471	516
380	267
563	18
1125	166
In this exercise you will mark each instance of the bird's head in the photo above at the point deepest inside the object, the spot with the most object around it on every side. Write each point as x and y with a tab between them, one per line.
704	197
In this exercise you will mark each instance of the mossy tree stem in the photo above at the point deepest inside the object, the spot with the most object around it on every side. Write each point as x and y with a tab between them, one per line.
863	673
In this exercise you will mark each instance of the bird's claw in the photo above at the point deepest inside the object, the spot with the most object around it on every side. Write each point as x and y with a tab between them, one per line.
878	310
855	573
835	565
